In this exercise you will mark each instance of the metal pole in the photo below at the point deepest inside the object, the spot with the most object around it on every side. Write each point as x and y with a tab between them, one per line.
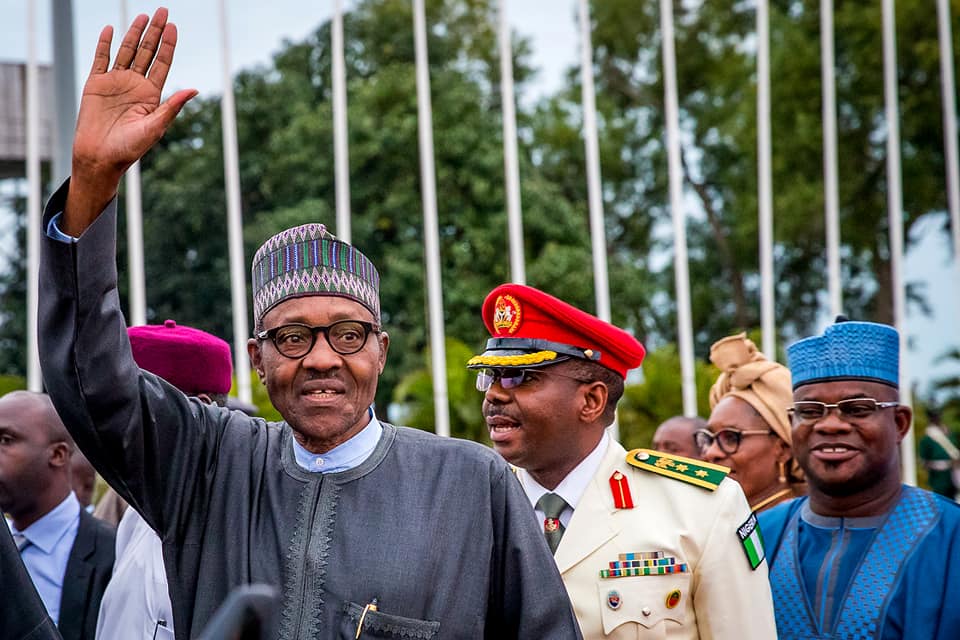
895	210
34	377
231	166
598	233
684	323
830	188
949	96
65	88
765	182
431	231
138	296
341	154
511	165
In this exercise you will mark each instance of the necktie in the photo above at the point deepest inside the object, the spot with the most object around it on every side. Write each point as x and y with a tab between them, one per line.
552	506
21	541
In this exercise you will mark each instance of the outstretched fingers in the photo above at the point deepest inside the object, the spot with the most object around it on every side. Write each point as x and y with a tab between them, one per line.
101	58
161	66
128	48
150	42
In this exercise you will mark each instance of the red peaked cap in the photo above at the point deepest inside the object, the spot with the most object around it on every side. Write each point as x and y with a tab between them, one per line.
531	328
192	360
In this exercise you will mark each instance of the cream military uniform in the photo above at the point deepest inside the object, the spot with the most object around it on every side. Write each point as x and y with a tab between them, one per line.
686	539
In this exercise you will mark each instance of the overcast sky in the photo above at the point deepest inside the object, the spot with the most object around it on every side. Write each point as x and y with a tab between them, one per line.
257	29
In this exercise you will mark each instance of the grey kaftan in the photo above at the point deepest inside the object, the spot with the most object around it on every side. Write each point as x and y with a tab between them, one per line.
436	529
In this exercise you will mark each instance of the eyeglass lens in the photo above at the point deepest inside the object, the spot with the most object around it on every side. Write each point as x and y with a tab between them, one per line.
509	379
727	439
852	408
345	337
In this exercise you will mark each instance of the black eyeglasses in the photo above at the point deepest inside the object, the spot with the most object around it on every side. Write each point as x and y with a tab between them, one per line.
852	409
346	337
513	378
727	439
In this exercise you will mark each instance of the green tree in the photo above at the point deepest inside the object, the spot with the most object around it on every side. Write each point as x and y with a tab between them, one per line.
287	177
716	76
647	404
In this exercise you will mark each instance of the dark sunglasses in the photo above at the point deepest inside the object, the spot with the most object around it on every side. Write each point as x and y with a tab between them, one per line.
852	409
727	439
296	340
513	378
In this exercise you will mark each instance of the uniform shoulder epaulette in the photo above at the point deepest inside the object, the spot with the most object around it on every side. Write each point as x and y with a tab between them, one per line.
703	474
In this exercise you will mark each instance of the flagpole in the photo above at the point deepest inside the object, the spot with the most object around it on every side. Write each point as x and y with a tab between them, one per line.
895	211
681	273
34	377
134	212
341	153
431	231
511	164
830	180
765	182
231	165
949	98
598	233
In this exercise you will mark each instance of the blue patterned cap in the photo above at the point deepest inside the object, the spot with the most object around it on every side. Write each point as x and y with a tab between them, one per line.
847	351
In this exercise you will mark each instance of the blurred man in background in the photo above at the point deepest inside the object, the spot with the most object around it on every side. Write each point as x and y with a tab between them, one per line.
67	552
676	435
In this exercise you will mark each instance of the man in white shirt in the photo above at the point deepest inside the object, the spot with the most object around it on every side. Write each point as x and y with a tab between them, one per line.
136	603
648	544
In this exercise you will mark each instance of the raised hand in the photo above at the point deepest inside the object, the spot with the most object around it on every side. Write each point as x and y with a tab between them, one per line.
121	116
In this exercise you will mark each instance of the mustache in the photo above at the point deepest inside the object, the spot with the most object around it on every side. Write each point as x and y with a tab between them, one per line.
494	411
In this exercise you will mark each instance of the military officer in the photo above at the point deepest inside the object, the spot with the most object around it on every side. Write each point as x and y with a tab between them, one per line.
650	545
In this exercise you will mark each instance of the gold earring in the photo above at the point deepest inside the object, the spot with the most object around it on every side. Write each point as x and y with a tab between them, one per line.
783	474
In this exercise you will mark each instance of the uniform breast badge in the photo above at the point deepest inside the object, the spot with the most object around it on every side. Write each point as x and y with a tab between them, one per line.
613	599
643	563
673	599
621	491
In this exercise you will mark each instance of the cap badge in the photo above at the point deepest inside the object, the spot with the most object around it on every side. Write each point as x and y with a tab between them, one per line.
613	599
506	314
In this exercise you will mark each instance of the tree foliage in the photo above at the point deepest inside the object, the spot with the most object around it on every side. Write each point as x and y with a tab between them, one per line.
284	118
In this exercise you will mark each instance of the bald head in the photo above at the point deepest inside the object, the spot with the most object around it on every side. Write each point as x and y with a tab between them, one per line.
675	436
38	410
35	451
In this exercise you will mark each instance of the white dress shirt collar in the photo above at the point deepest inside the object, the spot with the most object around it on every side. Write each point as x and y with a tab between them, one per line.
573	486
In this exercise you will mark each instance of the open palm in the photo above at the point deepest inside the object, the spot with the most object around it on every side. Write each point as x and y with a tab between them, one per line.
121	115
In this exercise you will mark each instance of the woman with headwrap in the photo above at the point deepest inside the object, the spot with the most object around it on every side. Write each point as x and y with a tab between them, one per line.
749	429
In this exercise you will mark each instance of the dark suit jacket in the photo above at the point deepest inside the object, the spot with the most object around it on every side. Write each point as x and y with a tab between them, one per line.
22	614
88	571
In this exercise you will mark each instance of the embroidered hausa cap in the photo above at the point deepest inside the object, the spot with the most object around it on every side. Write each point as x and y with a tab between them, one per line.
310	261
531	328
192	360
847	351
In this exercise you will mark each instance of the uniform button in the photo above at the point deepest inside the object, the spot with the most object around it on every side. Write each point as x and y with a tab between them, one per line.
646	611
318	462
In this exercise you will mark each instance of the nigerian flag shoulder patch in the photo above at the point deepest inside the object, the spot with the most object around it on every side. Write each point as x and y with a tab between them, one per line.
752	541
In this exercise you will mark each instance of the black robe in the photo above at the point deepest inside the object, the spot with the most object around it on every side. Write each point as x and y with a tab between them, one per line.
437	530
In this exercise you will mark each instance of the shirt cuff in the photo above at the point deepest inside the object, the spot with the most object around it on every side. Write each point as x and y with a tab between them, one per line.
54	233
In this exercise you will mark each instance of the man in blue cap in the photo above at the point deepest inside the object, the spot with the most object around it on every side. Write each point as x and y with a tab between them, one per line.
863	556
